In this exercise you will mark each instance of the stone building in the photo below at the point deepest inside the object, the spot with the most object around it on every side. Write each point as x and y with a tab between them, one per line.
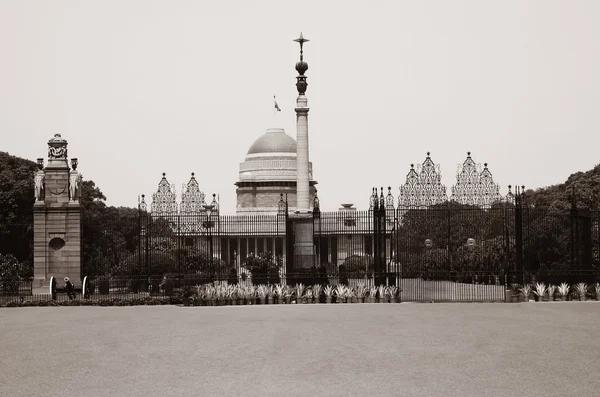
268	171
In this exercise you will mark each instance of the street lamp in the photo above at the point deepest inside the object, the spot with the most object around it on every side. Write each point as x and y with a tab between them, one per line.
208	208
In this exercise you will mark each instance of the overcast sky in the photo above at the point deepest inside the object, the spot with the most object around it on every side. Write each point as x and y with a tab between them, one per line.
144	87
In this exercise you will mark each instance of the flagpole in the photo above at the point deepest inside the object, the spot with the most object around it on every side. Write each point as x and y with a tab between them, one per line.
274	109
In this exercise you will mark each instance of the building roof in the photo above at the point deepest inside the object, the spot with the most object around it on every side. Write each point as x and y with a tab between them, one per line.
273	142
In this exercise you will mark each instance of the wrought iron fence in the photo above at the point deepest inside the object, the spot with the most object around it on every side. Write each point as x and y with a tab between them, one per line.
432	253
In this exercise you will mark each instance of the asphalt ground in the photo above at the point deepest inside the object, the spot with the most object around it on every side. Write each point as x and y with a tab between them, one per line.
440	349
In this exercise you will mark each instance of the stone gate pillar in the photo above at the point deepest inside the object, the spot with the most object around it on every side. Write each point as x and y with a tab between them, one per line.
56	218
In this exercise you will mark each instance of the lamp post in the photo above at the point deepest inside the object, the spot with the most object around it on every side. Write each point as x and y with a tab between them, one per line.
209	208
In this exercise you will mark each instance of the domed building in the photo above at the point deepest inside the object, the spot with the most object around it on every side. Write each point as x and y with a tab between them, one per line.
268	171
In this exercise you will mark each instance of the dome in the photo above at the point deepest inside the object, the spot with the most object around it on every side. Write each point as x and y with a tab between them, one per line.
275	140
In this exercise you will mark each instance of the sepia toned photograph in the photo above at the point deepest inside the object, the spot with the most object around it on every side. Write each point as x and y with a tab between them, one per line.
167	227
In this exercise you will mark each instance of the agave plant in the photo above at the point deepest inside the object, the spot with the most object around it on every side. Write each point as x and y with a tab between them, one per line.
597	287
250	292
381	290
392	292
371	291
540	290
581	289
299	291
563	290
317	289
351	295
279	289
551	291
308	295
201	290
270	291
261	291
340	292
360	290
287	292
209	292
328	291
525	291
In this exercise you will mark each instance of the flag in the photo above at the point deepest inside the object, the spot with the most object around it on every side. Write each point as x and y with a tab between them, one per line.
276	105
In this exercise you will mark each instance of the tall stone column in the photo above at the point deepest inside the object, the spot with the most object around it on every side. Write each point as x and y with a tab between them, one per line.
302	160
304	247
57	219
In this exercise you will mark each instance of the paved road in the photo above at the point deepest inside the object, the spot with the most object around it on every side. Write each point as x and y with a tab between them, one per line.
548	349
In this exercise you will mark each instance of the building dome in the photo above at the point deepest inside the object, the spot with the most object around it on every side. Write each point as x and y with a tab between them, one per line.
268	172
273	142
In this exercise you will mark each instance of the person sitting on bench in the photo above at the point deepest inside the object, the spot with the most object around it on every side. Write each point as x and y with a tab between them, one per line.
70	289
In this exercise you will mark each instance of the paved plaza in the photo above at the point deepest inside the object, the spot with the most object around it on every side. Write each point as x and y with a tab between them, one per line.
438	349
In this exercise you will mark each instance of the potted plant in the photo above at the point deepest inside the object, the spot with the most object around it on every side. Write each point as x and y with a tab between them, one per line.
563	290
216	296
279	290
393	293
360	292
299	292
233	295
372	294
340	293
251	294
199	296
239	292
551	291
525	292
209	296
243	294
308	296
351	295
381	291
328	291
540	291
581	289
597	288
316	289
287	294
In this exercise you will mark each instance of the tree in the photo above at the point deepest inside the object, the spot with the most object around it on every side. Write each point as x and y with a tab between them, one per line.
584	186
433	240
16	189
9	274
264	267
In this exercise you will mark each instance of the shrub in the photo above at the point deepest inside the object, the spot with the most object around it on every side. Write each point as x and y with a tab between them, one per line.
358	266
159	263
9	274
174	300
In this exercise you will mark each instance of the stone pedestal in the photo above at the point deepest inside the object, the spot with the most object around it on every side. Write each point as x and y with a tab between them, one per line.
304	245
57	224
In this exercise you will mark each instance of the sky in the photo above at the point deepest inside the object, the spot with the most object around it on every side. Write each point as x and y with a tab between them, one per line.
141	87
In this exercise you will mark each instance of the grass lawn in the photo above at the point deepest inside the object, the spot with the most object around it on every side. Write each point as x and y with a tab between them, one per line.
549	349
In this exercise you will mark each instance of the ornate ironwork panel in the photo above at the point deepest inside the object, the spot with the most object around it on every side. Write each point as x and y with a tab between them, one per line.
423	186
164	200
475	186
192	199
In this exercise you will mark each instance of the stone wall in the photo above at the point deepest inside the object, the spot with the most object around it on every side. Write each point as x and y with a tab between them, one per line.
266	197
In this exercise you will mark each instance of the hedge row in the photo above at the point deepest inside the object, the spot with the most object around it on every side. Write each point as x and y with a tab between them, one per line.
147	301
